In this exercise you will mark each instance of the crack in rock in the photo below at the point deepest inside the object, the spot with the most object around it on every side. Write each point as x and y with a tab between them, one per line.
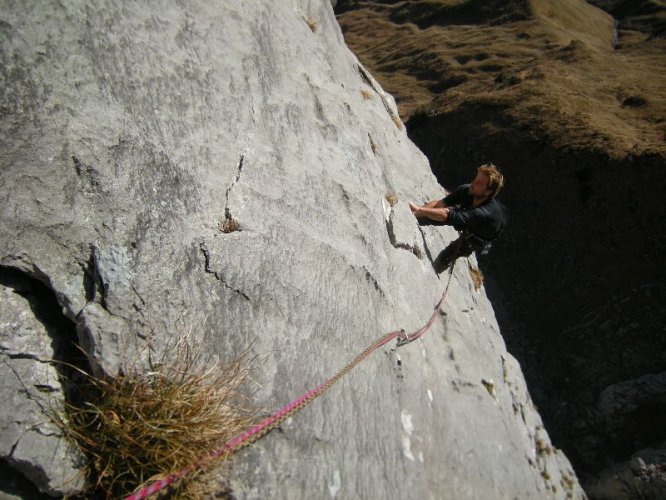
396	244
24	390
93	284
367	78
22	355
425	245
206	254
370	279
227	210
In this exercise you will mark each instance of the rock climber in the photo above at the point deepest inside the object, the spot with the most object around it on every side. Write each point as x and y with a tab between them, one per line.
471	209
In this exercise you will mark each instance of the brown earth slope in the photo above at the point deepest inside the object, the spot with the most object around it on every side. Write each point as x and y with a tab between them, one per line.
570	102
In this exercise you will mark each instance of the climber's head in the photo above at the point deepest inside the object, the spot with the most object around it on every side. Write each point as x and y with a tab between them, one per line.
488	181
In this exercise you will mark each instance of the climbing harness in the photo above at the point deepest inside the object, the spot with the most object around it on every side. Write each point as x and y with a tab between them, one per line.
265	426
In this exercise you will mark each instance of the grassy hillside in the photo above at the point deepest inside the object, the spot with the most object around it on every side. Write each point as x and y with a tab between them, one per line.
564	70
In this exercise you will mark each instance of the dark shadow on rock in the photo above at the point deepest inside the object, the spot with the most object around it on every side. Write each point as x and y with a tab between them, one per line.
15	485
569	279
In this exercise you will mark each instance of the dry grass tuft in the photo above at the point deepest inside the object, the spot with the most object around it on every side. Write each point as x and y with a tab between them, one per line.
476	275
229	225
366	94
139	427
391	198
312	24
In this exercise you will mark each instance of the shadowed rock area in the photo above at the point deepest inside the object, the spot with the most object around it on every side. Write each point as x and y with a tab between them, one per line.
224	170
568	99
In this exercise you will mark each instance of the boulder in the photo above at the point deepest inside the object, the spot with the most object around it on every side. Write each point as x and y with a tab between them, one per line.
230	171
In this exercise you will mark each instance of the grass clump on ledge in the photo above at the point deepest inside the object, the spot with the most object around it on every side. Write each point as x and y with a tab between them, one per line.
391	198
139	427
476	275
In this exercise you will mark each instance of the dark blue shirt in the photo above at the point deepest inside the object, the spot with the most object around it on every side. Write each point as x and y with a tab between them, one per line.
485	221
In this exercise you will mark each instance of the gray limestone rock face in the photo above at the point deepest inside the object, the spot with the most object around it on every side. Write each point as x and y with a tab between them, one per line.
31	388
224	170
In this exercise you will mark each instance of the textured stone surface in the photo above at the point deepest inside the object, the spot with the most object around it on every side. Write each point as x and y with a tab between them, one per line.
30	388
620	400
644	476
134	134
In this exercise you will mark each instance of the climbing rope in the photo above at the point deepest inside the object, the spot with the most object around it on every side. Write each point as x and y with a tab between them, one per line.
268	424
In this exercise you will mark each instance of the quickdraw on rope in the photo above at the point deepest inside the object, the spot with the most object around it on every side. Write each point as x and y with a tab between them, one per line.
268	424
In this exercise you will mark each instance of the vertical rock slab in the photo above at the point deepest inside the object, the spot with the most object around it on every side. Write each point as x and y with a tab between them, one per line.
225	170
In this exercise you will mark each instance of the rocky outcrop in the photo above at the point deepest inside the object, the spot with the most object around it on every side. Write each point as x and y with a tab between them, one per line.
31	385
232	172
643	476
628	412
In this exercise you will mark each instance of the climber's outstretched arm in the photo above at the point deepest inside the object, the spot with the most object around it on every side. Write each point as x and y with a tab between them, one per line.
435	210
435	204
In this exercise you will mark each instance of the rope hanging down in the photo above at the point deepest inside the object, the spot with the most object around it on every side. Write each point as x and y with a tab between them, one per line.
268	424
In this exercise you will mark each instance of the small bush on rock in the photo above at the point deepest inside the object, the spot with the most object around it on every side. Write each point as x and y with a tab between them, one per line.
139	427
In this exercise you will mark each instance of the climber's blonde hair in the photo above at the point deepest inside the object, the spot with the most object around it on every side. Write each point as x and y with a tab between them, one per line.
495	178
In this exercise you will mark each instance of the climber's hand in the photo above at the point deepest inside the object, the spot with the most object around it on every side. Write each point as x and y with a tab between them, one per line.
414	208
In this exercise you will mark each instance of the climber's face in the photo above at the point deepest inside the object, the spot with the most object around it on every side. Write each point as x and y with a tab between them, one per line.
479	187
